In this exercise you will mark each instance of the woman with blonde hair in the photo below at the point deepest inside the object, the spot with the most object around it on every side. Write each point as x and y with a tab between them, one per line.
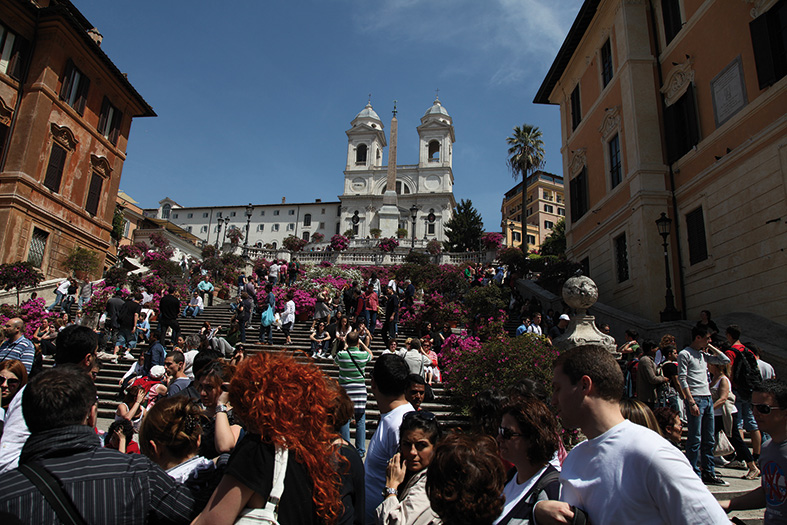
284	405
638	412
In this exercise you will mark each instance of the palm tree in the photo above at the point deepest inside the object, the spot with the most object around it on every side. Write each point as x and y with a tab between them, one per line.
526	153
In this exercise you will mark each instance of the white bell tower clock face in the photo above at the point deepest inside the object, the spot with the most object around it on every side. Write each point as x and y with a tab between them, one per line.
358	184
432	182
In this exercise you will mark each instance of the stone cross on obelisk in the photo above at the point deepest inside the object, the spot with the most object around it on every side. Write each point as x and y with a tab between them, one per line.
389	213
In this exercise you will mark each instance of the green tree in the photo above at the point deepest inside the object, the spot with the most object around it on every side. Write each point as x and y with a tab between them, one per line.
464	229
526	151
118	225
555	243
82	261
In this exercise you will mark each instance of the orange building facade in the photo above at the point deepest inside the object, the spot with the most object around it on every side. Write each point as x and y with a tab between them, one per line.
677	107
537	204
65	116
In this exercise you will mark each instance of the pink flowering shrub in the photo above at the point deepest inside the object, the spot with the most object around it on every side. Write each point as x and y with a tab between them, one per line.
434	247
32	312
19	275
132	251
339	243
492	240
388	244
436	309
317	237
470	366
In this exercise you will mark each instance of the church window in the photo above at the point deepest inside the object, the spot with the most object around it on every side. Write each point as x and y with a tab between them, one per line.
434	151
355	229
305	236
360	154
322	212
430	228
307	219
400	188
322	225
379	154
165	211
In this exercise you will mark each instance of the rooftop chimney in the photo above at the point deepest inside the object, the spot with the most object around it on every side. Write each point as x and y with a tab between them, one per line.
283	200
95	35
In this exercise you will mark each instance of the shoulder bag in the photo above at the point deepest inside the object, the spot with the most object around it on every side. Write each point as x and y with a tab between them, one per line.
53	492
269	514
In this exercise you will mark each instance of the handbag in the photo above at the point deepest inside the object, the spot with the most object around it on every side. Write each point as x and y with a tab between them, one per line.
269	514
267	317
723	445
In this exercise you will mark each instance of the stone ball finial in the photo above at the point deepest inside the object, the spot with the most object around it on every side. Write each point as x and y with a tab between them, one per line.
580	292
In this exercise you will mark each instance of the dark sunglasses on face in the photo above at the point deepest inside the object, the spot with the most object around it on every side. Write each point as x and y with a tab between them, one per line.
9	381
765	409
507	433
423	415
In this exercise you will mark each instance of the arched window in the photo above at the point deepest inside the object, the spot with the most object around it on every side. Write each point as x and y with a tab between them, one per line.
400	188
307	219
274	244
434	151
305	236
165	211
360	154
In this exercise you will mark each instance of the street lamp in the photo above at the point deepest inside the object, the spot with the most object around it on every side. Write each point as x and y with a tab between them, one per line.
249	213
220	223
414	215
226	227
511	228
670	313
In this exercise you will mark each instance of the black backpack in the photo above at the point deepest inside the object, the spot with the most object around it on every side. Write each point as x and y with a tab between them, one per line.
745	373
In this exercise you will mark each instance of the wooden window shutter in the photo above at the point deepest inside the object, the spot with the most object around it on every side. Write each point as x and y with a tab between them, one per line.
54	170
68	77
18	55
695	229
102	117
93	194
84	86
117	120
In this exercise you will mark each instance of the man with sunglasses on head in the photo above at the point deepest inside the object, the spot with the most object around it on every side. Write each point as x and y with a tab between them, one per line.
769	401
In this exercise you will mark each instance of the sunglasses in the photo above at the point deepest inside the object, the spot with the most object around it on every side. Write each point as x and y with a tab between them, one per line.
765	409
507	433
423	415
9	381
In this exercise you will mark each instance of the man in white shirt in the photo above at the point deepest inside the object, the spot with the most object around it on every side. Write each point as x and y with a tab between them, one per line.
535	325
195	306
623	473
60	293
389	383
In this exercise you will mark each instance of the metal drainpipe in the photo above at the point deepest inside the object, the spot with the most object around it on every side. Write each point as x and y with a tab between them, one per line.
19	93
679	252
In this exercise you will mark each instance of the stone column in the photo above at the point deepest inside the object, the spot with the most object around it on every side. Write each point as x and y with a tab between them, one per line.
580	293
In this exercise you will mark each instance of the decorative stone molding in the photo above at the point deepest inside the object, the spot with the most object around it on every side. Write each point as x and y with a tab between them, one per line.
759	6
578	160
5	113
64	136
610	124
101	166
677	82
581	293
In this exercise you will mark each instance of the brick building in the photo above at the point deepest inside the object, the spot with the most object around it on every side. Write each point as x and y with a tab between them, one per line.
65	115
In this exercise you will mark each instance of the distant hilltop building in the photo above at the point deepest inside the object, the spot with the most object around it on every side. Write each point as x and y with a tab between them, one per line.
423	190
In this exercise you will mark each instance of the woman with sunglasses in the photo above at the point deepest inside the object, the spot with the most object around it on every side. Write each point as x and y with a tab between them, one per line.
405	500
13	376
528	439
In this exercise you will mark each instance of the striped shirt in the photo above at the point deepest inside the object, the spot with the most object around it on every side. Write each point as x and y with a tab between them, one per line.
22	350
104	485
348	372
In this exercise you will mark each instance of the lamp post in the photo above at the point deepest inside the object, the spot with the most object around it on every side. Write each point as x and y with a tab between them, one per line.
670	313
219	223
511	229
249	213
414	215
226	227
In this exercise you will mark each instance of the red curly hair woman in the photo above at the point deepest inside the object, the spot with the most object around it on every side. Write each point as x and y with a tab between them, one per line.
282	403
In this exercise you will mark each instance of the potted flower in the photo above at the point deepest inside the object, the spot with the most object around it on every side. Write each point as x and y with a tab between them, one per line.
401	233
339	243
388	244
317	237
293	243
434	247
375	232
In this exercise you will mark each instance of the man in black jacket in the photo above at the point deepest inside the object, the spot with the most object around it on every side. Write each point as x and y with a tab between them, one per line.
169	310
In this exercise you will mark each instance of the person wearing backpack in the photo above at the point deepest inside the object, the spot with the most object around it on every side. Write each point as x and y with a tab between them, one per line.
745	378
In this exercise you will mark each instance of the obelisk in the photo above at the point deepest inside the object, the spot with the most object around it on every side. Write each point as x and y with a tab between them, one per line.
389	213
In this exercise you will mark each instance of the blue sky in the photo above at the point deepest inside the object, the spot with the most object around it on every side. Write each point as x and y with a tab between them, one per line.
253	97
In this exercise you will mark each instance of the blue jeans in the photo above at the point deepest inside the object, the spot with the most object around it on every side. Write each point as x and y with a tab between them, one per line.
371	320
747	420
701	437
58	299
360	431
266	330
323	347
193	311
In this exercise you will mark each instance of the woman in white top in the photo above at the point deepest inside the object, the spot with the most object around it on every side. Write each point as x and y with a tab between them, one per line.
406	502
726	418
288	317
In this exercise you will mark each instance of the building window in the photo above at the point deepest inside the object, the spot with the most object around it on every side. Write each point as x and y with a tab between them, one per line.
262	213
434	151
338	228
35	254
218	215
606	63
54	170
305	236
290	212
430	228
585	264
93	194
516	237
13	49
188	229
190	216
175	216
614	161
290	227
322	212
355	229
549	208
548	225
695	229
682	125
275	228
400	188
670	12
205	215
360	154
559	198
578	191
769	40
561	212
547	195
260	227
531	239
576	108
109	121
74	89
232	214
528	212
274	245
203	229
621	258
216	228
275	212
